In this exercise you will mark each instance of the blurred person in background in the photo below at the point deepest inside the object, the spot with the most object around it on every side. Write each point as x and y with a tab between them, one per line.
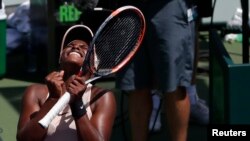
165	63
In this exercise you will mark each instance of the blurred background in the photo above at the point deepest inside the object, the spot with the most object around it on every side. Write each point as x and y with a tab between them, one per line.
30	38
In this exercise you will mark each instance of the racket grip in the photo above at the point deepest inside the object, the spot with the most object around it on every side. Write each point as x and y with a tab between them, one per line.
56	109
92	79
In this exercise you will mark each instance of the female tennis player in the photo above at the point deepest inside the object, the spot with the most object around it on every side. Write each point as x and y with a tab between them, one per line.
90	114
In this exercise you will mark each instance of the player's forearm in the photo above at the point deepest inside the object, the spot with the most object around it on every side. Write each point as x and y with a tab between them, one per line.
32	130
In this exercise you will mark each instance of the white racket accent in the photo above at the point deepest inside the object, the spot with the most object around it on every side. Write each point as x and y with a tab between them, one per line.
55	110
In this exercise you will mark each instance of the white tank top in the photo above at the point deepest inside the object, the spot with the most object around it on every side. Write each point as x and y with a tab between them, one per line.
62	127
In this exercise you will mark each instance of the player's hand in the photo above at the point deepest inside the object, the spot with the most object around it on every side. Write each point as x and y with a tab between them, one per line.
55	84
76	87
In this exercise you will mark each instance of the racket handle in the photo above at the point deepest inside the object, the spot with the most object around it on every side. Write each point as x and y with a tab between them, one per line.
92	79
55	110
58	107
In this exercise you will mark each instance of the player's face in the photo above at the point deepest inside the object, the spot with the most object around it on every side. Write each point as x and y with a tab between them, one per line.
75	52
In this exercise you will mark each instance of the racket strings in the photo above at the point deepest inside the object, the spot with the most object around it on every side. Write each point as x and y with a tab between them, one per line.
117	40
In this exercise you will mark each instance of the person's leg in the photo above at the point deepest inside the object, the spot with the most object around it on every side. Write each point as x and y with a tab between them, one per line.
135	78
177	108
199	111
140	107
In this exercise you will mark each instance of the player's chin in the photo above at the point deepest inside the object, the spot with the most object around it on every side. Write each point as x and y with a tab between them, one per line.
74	63
74	59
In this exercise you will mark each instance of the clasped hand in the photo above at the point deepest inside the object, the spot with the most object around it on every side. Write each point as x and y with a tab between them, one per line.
75	85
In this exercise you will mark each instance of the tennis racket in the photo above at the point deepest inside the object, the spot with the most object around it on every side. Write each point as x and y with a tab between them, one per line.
114	44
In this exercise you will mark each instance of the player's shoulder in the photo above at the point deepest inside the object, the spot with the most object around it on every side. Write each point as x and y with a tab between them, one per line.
36	90
37	87
102	97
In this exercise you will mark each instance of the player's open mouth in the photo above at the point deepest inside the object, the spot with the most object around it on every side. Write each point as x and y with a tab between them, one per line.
75	54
